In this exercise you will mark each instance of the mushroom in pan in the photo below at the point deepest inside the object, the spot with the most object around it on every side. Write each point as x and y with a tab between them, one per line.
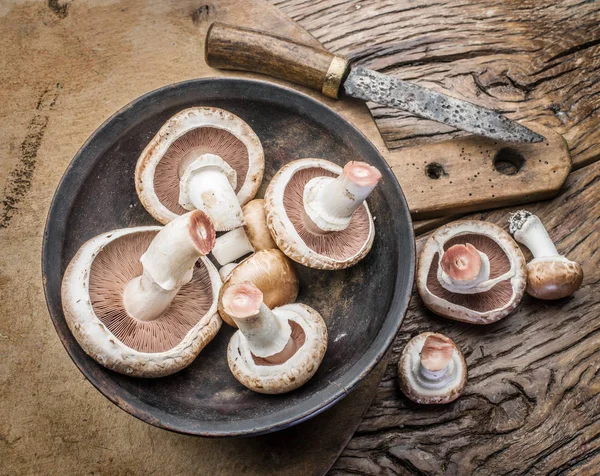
317	212
432	369
471	271
274	351
143	301
203	158
549	275
271	272
253	236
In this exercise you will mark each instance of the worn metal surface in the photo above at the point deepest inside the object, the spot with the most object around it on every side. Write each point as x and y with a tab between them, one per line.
362	83
363	306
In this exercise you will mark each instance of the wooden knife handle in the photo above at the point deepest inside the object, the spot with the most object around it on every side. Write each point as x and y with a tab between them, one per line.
231	47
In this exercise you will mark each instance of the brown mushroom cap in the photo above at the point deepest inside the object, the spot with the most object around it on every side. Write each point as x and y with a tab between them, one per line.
553	278
507	266
284	204
271	272
434	352
256	225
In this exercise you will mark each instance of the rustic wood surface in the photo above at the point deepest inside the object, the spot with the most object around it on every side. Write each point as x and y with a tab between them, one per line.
532	404
64	69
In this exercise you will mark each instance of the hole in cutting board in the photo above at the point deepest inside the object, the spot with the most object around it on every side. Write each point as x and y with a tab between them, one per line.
435	171
508	161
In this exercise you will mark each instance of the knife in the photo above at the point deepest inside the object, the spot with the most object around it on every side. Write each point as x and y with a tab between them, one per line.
230	47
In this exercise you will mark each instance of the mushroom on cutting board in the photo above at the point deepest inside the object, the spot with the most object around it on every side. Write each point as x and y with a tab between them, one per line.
271	272
432	369
203	158
274	351
253	236
471	271
549	275
317	212
143	301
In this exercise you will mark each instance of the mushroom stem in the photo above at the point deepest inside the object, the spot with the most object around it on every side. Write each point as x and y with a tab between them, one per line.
231	246
529	230
462	269
435	360
266	333
225	270
208	184
168	264
330	202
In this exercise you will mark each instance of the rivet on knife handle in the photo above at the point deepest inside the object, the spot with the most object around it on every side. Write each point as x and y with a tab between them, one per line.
229	47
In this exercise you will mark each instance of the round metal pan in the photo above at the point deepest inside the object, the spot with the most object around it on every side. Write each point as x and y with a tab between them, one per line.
363	306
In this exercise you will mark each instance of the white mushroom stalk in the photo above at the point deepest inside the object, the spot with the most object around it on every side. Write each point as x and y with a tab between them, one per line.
266	333
464	270
330	202
529	230
226	270
435	363
168	264
208	183
253	236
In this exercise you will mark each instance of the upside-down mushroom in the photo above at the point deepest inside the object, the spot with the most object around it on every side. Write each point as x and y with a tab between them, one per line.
317	212
203	158
143	301
253	236
271	272
471	271
274	351
432	369
549	275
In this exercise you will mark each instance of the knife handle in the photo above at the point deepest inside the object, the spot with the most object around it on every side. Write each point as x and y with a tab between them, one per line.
232	47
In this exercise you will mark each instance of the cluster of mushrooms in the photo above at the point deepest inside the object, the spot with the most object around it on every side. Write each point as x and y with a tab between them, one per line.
473	271
145	301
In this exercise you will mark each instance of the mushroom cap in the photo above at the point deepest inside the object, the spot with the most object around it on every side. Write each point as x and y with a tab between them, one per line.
185	136
553	278
421	391
262	377
256	225
507	273
91	294
271	272
284	207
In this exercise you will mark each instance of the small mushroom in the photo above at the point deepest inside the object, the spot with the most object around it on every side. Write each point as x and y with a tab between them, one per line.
471	271
549	275
432	369
203	158
317	212
271	272
143	301
274	351
253	236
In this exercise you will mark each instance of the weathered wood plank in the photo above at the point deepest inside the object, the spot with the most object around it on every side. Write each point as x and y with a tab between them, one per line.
532	60
532	403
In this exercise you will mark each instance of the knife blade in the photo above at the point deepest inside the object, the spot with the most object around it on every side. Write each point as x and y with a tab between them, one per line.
229	47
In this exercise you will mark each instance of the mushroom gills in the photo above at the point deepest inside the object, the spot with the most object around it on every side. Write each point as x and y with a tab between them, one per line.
329	203
273	351
208	184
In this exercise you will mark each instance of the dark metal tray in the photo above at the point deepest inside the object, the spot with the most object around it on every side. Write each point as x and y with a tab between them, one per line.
363	306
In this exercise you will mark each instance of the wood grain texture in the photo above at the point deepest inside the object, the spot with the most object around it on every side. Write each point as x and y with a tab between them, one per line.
533	61
531	405
532	402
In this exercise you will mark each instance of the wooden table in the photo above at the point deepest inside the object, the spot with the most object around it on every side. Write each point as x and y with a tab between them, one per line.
532	403
531	400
